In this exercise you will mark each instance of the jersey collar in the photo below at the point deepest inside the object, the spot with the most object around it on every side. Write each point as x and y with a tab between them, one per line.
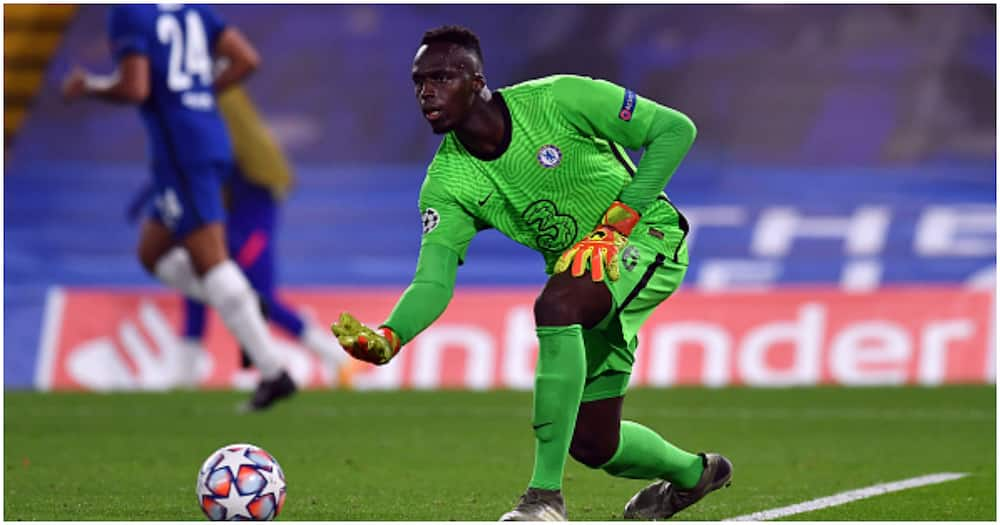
507	132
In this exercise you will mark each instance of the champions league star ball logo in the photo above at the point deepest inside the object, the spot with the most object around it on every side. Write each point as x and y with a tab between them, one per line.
630	257
549	156
430	220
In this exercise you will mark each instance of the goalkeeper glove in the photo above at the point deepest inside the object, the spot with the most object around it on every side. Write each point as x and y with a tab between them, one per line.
602	245
364	343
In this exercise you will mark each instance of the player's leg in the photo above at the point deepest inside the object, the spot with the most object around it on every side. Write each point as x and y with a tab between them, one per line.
229	292
628	449
160	255
244	244
245	362
251	230
174	215
260	271
186	371
227	289
654	263
563	310
641	453
602	440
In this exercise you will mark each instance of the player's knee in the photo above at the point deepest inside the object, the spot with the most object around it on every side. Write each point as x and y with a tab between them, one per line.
566	301
148	258
591	451
552	309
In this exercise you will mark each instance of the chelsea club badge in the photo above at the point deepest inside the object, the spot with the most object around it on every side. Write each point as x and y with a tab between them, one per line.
549	156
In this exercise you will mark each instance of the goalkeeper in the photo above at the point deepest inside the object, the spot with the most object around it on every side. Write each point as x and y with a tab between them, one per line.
542	163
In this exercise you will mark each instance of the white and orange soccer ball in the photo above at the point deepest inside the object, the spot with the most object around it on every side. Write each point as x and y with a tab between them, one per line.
241	482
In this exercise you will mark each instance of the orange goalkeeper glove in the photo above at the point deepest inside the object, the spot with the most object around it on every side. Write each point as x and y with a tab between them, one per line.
364	343
601	246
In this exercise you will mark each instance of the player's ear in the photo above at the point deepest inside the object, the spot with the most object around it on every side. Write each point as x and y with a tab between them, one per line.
478	82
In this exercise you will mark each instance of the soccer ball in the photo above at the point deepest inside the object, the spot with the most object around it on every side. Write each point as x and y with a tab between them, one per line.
241	482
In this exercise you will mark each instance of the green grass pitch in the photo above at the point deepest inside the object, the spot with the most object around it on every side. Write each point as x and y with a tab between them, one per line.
438	456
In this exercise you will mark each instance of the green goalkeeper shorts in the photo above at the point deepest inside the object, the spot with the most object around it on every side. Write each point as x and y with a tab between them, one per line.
652	266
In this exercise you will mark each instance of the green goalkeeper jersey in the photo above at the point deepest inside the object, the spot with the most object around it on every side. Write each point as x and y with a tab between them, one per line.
559	168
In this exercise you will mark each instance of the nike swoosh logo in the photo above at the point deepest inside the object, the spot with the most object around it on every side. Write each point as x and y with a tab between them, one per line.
536	427
486	198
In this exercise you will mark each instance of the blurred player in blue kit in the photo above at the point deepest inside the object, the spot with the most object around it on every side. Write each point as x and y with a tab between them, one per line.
164	56
252	200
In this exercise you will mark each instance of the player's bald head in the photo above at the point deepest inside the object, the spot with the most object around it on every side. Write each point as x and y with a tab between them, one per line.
457	44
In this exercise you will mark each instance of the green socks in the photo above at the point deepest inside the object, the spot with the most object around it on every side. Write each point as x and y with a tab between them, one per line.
643	454
559	377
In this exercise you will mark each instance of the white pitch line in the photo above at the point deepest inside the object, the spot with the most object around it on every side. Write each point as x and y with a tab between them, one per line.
849	496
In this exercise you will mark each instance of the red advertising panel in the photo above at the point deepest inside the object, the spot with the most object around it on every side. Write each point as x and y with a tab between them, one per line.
107	340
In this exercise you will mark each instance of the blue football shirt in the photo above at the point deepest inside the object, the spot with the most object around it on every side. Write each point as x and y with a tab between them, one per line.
180	115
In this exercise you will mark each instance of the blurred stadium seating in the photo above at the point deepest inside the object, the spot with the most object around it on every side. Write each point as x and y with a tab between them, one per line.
31	35
847	147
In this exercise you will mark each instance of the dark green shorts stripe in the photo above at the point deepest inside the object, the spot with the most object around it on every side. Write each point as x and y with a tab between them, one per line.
643	281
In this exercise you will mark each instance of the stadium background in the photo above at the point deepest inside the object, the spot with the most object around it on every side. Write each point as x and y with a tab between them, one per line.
842	191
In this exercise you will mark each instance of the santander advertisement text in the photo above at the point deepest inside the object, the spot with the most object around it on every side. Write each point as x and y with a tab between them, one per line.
128	340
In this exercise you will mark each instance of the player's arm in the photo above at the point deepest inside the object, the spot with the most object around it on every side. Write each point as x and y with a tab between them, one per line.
597	108
447	233
428	294
235	57
239	56
420	305
601	109
129	84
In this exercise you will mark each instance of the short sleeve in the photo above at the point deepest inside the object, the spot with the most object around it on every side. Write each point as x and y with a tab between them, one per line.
125	32
214	24
444	221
